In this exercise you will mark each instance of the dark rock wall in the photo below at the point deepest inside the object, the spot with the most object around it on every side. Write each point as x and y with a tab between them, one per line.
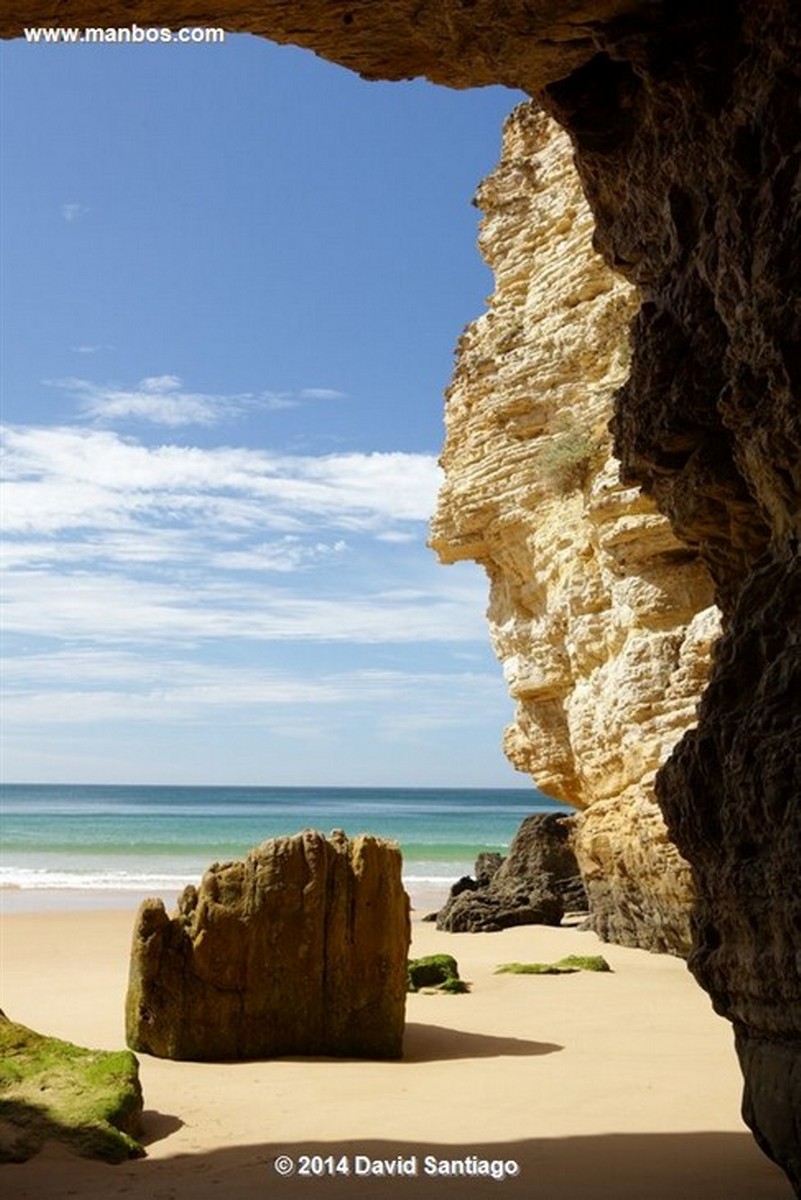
731	792
688	142
688	151
687	128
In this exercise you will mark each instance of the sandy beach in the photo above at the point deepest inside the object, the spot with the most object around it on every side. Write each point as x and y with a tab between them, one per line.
619	1086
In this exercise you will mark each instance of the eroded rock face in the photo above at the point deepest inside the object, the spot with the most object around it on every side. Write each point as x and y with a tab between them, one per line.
688	141
602	619
460	43
744	844
300	948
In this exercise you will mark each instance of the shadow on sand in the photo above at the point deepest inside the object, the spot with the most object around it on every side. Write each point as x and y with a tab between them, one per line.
671	1166
435	1043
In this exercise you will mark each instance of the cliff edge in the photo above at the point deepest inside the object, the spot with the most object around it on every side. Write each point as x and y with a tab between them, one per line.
602	619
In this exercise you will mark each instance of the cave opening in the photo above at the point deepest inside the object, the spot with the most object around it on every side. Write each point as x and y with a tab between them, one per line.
697	123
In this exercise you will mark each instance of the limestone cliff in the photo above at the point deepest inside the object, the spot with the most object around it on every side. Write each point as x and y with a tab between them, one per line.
602	619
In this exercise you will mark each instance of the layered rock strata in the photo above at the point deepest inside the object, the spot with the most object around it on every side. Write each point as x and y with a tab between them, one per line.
300	948
686	125
602	619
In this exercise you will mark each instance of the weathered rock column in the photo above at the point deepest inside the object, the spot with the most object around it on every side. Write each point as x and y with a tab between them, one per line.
300	948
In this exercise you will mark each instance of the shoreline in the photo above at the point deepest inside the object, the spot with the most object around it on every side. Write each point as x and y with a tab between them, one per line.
620	1086
19	901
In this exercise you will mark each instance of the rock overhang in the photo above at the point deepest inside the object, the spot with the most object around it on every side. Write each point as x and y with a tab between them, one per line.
455	43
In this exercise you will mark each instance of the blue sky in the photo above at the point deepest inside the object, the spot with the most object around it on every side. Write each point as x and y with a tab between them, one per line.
233	277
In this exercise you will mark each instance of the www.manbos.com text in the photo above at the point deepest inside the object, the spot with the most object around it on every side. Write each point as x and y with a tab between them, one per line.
137	35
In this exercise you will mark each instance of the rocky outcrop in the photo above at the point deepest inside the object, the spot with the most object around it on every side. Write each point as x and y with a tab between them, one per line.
300	948
685	123
535	885
460	43
602	619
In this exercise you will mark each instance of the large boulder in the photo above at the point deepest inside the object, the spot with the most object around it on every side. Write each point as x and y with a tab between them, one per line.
298	949
533	886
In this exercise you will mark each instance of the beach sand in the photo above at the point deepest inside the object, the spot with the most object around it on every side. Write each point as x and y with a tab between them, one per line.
619	1086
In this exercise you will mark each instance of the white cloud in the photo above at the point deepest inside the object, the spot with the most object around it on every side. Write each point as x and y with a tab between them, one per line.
163	400
73	212
284	555
163	596
123	688
321	394
61	479
96	686
107	609
112	541
397	537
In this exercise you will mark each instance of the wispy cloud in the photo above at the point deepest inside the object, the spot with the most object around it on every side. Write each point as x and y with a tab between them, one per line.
113	541
157	594
61	479
163	400
73	211
321	394
86	605
117	684
81	686
286	554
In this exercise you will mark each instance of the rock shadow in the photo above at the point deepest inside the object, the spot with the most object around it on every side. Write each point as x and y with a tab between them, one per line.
157	1125
436	1043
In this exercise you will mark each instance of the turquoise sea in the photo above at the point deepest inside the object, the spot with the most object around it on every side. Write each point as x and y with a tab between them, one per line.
95	846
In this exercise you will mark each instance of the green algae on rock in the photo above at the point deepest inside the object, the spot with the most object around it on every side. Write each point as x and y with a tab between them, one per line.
436	971
565	966
51	1089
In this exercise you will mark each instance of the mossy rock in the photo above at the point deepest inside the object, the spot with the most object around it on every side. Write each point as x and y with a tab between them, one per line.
90	1099
565	966
439	971
585	962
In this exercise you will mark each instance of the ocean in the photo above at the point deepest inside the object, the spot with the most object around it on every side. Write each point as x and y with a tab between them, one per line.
70	846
